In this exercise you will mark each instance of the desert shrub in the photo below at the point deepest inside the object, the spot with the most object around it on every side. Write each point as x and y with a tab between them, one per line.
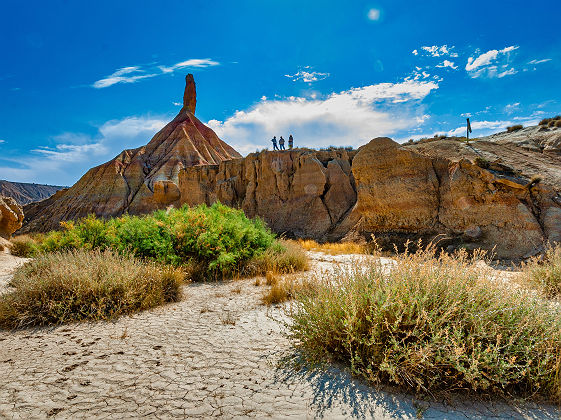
212	242
67	286
545	121
433	324
481	162
280	258
24	246
558	123
514	128
544	273
286	288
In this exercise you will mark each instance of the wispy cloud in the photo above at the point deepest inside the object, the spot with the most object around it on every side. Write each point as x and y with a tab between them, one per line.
307	75
74	153
447	63
2	141
123	75
436	51
545	60
194	63
132	74
510	108
350	117
374	14
493	63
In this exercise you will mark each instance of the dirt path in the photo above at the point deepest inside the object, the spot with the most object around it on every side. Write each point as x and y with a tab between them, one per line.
215	353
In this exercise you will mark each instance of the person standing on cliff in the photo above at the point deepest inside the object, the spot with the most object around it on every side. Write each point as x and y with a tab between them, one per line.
290	142
281	142
274	141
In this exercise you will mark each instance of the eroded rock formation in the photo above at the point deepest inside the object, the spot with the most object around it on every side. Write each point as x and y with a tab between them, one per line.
137	180
11	216
303	193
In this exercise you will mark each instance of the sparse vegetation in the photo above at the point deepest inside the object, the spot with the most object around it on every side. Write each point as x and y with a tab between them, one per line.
77	285
550	122
433	324
210	242
513	128
334	248
544	273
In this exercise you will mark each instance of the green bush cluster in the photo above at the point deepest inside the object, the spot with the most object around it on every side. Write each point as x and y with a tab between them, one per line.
432	323
217	240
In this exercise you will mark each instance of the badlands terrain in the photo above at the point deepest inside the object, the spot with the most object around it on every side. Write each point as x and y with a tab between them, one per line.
219	352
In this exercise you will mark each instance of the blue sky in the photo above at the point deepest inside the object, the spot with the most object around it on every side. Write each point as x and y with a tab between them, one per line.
80	81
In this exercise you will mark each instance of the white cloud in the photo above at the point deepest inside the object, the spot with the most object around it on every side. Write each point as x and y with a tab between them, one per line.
123	75
545	60
2	141
447	63
415	52
484	128
374	14
308	76
512	107
351	117
488	63
75	153
132	74
438	51
195	63
466	115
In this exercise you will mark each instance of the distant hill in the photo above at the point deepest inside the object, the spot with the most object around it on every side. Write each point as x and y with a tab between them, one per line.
25	193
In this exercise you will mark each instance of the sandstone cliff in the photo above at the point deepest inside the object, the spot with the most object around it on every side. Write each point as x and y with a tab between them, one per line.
25	193
137	180
434	190
11	216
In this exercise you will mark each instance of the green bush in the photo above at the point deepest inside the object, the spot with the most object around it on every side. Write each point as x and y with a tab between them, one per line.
217	240
60	287
433	324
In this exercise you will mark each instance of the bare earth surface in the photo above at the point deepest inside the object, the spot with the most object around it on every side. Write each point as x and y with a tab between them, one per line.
215	353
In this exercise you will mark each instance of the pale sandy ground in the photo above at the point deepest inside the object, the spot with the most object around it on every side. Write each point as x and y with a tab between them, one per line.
214	354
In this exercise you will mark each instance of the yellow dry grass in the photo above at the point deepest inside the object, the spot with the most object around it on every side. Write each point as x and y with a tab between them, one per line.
333	248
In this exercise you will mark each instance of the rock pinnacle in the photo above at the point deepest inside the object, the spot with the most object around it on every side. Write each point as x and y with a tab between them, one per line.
190	95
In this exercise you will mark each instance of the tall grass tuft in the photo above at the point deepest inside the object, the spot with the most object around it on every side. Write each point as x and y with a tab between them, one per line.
77	285
544	273
433	324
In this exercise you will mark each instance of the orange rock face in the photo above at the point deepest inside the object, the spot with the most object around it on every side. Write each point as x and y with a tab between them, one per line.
11	216
137	180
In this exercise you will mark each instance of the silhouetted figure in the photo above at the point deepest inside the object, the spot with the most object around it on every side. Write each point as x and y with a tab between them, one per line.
275	147
281	143
290	142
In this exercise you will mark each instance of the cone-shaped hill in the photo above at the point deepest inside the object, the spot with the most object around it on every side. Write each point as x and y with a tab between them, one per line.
137	180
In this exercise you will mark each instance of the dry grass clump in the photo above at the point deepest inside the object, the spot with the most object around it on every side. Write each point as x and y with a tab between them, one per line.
282	257
24	246
544	274
286	288
333	248
433	324
551	122
69	286
513	128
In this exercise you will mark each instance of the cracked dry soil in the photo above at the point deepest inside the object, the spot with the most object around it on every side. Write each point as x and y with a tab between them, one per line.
214	354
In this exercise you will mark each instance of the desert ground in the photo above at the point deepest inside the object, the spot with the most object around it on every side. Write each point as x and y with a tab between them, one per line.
218	352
